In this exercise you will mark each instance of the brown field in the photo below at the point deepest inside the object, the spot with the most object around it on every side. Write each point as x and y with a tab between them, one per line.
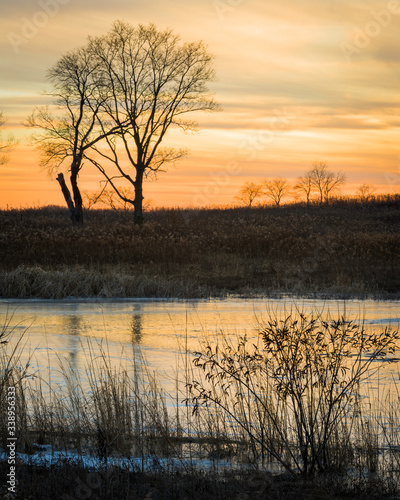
346	249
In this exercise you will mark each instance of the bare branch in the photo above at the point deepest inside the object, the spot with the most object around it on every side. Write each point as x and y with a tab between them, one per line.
276	189
7	144
325	181
248	193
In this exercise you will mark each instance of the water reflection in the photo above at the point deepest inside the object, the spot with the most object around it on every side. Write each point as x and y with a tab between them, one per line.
73	324
136	328
157	328
136	325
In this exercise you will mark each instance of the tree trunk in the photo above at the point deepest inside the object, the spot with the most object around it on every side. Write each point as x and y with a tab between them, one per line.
66	193
138	202
78	215
75	205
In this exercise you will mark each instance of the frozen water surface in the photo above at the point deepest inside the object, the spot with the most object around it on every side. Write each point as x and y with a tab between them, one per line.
158	329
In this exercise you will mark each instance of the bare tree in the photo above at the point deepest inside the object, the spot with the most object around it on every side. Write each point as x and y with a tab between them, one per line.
65	135
248	193
325	181
304	186
276	189
154	81
317	175
116	98
333	182
6	143
365	191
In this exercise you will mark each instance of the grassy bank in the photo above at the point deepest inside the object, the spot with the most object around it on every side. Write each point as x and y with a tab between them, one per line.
293	402
348	248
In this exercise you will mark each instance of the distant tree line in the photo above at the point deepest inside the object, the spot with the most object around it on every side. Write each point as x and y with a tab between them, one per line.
319	184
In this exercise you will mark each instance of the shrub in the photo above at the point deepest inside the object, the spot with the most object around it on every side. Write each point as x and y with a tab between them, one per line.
296	397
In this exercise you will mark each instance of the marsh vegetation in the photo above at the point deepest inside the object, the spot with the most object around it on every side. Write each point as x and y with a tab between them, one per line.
348	248
289	414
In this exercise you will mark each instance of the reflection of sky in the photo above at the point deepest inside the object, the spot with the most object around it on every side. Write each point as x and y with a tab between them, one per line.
158	330
285	59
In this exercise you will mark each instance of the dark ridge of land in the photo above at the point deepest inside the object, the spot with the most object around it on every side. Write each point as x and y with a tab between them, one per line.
344	249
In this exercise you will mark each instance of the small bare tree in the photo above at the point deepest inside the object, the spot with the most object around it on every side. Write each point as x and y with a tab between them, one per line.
365	191
6	143
325	181
276	189
304	186
248	193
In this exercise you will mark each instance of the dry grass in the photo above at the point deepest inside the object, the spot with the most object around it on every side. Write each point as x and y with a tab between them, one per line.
39	282
347	248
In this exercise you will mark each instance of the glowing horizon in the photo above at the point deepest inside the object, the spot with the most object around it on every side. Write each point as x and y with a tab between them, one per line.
298	82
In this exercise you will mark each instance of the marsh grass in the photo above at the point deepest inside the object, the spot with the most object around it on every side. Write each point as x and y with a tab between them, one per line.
347	248
14	374
291	401
37	282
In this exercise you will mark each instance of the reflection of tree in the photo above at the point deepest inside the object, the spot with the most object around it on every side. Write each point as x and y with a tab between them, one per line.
74	327
136	333
73	324
136	327
136	339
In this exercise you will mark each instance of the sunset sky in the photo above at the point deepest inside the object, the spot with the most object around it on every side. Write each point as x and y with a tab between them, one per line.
298	81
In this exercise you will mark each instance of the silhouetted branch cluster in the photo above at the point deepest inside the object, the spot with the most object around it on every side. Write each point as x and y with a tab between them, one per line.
114	101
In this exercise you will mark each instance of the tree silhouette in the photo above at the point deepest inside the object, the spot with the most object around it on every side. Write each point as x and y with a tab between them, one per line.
304	185
153	82
325	181
276	189
116	98
365	191
66	133
248	193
